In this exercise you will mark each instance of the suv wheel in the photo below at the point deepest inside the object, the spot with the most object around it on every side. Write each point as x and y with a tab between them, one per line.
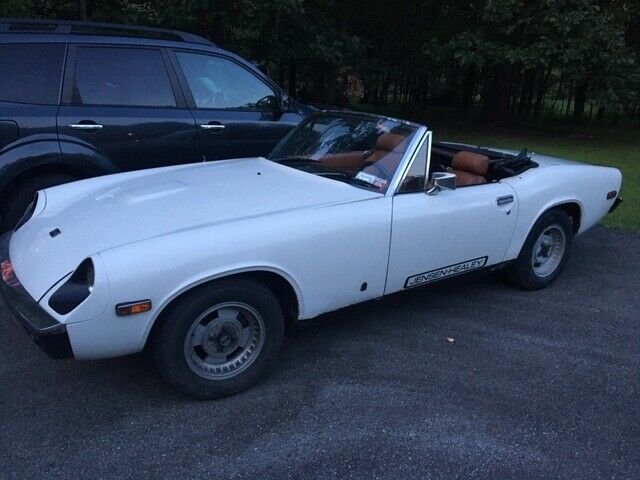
22	195
220	339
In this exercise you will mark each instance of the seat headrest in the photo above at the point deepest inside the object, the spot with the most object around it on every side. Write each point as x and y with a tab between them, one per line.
471	162
389	141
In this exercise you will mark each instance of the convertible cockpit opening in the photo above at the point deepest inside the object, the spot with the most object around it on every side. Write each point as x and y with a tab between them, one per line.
359	149
475	166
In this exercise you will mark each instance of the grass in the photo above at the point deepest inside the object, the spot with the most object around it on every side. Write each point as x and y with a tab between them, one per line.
620	149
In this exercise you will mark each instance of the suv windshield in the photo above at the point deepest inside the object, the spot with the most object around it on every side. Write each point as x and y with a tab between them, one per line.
362	150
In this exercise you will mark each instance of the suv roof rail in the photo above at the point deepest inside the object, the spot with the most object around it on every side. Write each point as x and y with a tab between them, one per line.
29	25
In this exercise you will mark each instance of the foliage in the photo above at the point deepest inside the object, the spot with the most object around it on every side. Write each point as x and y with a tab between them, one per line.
503	59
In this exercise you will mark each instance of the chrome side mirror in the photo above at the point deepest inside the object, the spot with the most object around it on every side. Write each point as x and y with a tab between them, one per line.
442	181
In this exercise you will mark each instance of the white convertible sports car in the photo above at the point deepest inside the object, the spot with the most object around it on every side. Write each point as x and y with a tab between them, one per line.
208	264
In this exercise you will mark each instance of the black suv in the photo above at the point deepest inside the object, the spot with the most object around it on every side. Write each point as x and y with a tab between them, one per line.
82	99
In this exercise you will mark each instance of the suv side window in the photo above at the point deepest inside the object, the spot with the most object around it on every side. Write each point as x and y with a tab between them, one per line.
221	84
121	76
31	73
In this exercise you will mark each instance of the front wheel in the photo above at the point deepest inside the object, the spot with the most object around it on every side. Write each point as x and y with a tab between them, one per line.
220	339
544	252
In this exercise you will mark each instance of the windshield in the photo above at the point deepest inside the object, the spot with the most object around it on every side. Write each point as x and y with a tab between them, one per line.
364	151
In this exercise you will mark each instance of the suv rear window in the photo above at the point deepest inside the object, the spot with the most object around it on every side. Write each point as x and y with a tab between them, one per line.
121	76
30	73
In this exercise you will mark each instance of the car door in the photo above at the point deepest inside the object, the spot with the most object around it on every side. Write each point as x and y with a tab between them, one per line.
124	106
236	111
448	233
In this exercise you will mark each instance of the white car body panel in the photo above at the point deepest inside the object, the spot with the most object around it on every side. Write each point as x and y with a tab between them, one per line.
572	182
157	233
235	230
460	222
107	212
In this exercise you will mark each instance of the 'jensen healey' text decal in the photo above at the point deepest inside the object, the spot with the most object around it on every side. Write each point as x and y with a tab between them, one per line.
440	273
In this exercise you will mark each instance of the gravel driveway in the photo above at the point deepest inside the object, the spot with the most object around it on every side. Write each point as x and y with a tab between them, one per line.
470	378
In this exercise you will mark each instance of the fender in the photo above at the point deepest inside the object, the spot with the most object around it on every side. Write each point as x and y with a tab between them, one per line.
38	151
82	155
556	202
531	189
518	241
227	272
25	154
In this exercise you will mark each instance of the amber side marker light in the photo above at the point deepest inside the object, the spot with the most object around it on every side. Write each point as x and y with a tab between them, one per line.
132	308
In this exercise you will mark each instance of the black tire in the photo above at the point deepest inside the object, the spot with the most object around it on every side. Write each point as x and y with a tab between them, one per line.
22	195
170	340
522	273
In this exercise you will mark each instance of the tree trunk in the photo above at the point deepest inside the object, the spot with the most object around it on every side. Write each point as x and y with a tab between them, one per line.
569	97
580	100
292	77
82	10
469	90
542	88
496	95
281	72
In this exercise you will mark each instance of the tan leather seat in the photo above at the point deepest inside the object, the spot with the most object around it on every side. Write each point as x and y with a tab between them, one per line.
386	157
385	145
382	162
349	161
470	168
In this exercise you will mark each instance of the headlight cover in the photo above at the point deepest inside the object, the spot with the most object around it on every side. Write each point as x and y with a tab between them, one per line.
75	290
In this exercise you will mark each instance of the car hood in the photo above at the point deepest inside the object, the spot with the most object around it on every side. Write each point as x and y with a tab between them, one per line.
107	212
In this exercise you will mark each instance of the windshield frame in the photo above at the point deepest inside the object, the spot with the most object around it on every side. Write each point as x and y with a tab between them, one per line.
407	157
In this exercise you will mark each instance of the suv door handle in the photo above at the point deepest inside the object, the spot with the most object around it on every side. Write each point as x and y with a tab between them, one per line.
505	199
212	126
85	126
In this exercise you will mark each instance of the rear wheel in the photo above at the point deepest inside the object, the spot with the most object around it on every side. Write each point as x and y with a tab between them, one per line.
22	195
544	252
220	339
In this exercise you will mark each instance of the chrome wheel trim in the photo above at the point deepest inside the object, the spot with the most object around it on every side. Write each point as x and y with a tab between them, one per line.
224	340
548	251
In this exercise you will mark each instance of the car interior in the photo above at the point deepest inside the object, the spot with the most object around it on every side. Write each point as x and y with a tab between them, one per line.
476	166
472	166
388	152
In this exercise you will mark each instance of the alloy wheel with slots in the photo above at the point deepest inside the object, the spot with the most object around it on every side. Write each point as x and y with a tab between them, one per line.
224	340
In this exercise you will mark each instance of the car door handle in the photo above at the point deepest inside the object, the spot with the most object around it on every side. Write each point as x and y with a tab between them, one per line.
85	126
505	199
212	126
